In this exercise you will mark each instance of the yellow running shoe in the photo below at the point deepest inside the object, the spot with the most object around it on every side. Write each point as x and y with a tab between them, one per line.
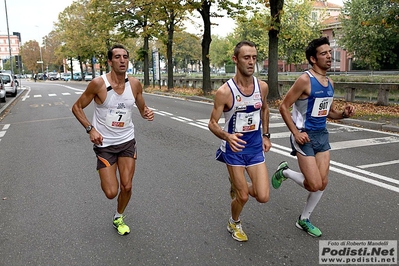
236	231
120	226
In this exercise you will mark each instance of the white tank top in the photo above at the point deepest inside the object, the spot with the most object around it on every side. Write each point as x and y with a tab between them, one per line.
113	118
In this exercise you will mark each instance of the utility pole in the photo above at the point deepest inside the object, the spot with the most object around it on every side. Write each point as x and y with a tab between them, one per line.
9	42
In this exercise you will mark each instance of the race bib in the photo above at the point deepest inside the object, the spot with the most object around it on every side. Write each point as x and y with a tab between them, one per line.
321	106
118	118
247	122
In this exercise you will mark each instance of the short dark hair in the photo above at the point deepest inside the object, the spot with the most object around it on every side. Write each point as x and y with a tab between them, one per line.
311	49
116	46
241	44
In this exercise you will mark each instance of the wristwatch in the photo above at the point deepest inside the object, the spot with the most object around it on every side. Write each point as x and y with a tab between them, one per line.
89	128
267	135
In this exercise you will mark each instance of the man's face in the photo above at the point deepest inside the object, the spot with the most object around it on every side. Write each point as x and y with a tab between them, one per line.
323	57
120	60
246	60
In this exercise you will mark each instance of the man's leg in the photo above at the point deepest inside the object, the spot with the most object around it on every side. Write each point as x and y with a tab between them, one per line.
315	170
237	178
259	187
126	167
109	181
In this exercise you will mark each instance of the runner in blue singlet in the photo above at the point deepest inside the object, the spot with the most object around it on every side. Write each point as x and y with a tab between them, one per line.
245	136
312	99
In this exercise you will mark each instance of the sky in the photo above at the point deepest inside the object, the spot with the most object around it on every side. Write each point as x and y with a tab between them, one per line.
34	19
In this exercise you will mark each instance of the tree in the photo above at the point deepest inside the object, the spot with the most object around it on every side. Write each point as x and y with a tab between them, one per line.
133	20
221	50
370	32
252	28
31	54
276	11
170	15
204	8
51	44
186	48
297	29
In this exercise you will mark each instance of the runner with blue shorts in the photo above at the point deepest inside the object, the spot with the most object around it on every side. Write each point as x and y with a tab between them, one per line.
245	136
311	98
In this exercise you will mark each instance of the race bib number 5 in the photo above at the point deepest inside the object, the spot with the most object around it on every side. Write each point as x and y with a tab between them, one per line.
247	122
118	118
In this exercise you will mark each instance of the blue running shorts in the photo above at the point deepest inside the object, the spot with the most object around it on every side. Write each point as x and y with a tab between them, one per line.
238	159
319	142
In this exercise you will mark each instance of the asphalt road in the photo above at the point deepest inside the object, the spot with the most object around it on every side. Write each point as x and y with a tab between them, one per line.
53	212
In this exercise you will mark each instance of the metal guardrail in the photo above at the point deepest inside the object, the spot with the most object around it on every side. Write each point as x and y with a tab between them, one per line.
351	90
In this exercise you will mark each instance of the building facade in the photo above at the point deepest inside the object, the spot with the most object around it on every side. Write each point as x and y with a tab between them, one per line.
5	47
328	15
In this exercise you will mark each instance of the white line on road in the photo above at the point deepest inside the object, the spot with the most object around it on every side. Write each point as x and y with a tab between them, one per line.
378	164
286	152
362	142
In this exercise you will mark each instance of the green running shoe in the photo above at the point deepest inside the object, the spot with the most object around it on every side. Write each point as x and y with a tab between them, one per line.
235	229
120	226
278	177
308	227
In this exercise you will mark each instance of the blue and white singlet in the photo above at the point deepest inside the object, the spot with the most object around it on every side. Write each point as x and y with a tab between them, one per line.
244	117
310	114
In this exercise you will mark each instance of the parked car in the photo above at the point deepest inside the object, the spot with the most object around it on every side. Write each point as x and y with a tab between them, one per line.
9	84
2	92
77	76
66	76
53	76
264	71
88	77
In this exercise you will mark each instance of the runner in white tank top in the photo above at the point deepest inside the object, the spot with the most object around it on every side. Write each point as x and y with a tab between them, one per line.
113	118
112	129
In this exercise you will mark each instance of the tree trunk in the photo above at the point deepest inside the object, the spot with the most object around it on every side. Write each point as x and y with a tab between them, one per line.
169	51
206	43
146	63
276	6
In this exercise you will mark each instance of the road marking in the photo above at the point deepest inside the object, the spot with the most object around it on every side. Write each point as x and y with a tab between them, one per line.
378	164
343	169
362	142
52	94
286	152
4	130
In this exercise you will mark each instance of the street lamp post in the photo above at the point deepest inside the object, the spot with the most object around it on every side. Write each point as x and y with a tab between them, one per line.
9	42
40	50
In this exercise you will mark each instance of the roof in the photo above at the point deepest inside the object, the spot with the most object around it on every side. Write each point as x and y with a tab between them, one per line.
324	4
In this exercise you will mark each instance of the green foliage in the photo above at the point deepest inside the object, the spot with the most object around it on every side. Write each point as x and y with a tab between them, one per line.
221	50
297	29
370	32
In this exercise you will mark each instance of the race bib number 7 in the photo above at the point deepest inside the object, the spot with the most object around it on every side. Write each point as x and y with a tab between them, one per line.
118	118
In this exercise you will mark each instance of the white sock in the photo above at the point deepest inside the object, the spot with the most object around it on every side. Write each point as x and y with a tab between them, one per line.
313	199
232	220
117	215
296	176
